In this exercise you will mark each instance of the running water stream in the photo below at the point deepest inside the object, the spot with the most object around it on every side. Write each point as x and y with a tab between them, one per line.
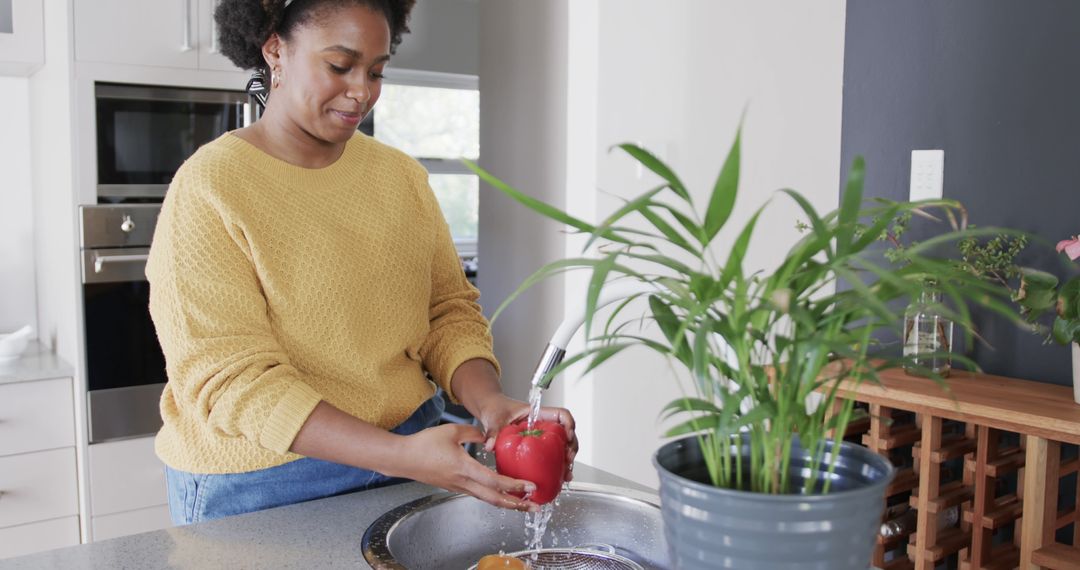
536	526
536	523
535	395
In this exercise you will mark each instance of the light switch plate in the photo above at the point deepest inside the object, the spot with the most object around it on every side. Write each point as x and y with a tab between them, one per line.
927	174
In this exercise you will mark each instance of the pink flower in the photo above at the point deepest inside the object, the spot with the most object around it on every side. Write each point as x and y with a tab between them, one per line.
1071	247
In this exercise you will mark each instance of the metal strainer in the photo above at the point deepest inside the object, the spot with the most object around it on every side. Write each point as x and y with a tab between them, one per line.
587	557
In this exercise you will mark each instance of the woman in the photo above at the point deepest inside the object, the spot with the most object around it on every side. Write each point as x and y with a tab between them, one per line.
304	284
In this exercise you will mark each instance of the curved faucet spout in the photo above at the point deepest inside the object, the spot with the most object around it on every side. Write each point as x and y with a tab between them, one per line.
556	348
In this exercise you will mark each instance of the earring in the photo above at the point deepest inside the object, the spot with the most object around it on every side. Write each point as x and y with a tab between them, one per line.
275	77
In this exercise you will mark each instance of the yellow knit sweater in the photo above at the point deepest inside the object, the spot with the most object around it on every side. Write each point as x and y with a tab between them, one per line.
273	287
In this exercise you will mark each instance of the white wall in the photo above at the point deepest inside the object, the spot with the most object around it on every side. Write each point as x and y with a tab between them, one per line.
18	300
52	142
677	80
523	51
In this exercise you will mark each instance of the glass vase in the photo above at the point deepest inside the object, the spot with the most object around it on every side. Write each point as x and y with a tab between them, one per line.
928	335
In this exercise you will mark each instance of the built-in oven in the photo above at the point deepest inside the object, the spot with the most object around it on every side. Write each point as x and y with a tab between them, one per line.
124	363
142	136
144	133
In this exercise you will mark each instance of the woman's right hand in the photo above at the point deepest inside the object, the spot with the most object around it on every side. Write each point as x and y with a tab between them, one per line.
435	456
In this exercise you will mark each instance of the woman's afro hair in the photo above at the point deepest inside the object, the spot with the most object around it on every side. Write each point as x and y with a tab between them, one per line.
243	26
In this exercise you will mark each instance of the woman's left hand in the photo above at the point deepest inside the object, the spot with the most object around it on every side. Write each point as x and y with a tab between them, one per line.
500	410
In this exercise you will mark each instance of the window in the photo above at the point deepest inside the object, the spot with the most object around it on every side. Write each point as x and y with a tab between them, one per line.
429	122
435	117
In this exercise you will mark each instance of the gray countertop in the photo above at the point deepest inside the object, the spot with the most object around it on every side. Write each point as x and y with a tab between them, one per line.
37	363
325	533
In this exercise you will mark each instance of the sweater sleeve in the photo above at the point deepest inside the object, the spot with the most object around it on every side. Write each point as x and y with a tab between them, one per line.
224	364
458	330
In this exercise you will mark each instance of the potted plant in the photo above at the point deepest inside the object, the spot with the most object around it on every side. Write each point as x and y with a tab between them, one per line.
754	478
1040	293
1050	307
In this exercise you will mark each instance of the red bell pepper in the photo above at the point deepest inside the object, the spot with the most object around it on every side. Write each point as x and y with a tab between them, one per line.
537	455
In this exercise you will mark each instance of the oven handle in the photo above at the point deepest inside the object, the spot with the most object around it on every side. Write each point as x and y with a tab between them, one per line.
101	260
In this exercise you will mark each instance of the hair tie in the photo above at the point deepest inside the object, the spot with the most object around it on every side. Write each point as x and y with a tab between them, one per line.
258	88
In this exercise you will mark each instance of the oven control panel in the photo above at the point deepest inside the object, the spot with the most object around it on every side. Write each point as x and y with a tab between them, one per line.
118	225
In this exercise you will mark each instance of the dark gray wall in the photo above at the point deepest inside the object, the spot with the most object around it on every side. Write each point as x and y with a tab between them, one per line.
444	37
996	84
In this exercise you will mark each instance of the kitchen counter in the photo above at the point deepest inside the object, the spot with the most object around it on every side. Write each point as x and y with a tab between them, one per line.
325	533
37	363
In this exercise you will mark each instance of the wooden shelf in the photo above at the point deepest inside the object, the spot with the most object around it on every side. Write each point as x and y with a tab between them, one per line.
1070	467
900	437
861	425
1064	519
1009	404
906	480
1057	557
949	541
1005	511
950	495
1008	462
1002	557
952	447
971	421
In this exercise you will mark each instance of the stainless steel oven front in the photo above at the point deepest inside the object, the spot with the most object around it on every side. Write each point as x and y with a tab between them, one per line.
125	366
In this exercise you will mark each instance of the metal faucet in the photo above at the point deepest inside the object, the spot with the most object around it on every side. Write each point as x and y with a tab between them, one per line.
556	347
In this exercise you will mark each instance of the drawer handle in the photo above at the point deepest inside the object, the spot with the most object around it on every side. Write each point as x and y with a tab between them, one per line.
213	27
186	45
101	260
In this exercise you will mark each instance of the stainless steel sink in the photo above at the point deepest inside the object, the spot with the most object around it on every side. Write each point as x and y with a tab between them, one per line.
449	531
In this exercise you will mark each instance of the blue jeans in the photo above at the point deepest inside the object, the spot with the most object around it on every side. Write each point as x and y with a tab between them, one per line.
195	497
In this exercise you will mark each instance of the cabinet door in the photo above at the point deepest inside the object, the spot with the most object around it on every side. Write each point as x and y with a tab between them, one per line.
209	56
36	416
131	522
125	476
140	32
37	537
22	47
38	486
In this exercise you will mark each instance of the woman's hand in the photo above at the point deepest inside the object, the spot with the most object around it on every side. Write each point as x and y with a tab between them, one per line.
435	456
476	385
498	410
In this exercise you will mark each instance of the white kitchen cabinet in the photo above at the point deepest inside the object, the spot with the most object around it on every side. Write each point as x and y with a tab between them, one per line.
155	32
36	416
36	537
39	490
22	40
38	486
131	522
161	33
125	476
209	55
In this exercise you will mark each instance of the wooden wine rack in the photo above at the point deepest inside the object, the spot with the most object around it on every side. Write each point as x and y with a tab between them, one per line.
987	445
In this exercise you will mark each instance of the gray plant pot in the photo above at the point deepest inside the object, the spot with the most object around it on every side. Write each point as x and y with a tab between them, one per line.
710	527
